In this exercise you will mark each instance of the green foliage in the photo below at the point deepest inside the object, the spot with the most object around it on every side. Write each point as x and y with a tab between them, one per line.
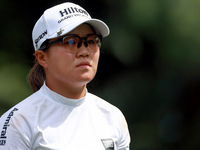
13	86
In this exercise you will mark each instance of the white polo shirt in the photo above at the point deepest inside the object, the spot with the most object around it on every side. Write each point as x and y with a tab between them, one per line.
49	121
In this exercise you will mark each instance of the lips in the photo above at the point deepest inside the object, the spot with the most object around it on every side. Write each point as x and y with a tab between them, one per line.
84	64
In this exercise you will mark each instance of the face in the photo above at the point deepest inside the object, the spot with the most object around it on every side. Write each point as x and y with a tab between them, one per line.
70	69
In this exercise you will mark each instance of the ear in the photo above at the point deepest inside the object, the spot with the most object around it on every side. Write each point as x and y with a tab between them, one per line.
41	58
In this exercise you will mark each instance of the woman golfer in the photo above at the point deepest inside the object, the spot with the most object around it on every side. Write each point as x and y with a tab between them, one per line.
61	114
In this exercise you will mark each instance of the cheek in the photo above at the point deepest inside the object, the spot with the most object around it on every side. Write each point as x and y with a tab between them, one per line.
59	61
64	63
96	59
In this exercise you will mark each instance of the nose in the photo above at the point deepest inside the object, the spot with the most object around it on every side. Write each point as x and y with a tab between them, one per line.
83	51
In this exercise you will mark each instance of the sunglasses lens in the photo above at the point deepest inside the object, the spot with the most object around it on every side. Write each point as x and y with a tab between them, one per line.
94	41
71	41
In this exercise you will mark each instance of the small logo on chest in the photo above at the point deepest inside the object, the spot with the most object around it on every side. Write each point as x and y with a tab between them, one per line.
108	144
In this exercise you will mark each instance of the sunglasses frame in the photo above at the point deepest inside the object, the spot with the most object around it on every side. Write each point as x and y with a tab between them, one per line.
62	39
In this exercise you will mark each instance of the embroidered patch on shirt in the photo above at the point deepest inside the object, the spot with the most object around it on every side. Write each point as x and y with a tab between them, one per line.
108	144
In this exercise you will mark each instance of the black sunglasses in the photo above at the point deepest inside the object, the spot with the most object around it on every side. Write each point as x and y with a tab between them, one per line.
72	41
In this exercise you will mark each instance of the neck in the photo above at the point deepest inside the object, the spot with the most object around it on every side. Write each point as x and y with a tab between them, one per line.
68	91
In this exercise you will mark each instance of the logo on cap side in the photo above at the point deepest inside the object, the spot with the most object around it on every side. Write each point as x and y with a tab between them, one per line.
60	32
40	37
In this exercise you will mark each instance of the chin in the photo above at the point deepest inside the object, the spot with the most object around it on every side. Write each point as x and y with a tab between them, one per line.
86	79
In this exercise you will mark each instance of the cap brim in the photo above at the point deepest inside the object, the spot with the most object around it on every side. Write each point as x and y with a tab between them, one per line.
99	26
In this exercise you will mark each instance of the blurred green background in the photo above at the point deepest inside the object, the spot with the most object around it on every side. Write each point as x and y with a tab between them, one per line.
149	65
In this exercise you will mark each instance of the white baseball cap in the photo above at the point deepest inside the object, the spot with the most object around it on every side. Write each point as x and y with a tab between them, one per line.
61	19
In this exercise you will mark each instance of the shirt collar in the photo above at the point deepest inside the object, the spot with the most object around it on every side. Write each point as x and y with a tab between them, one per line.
61	99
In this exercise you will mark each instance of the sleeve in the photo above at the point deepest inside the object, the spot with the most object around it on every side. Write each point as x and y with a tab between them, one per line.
15	131
124	136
